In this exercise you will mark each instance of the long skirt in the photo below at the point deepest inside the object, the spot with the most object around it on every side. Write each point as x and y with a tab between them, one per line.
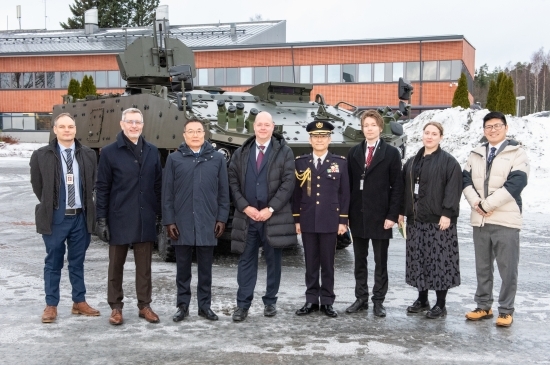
432	257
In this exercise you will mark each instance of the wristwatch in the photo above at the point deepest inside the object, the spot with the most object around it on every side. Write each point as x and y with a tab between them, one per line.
271	210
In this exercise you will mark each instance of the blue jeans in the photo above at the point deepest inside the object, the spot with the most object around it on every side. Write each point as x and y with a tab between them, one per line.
248	268
72	230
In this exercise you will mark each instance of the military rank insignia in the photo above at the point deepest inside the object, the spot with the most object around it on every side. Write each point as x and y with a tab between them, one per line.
334	168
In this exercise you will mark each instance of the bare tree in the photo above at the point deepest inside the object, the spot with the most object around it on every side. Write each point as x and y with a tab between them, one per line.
537	62
256	18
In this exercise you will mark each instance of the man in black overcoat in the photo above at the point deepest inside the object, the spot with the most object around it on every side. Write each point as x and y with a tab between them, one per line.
376	191
128	211
320	208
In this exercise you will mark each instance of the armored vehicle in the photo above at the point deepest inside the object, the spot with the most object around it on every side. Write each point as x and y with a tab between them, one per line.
159	73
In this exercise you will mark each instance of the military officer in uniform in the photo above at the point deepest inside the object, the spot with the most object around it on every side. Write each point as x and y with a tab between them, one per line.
320	208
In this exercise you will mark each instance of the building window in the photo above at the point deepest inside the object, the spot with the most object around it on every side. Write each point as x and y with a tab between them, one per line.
64	79
203	76
413	71
219	76
246	76
77	75
365	72
349	74
429	70
288	75
232	76
122	81
305	74
260	75
274	73
379	70
39	81
397	71
113	78
50	80
318	72
444	70
388	72
5	81
101	79
456	69
333	73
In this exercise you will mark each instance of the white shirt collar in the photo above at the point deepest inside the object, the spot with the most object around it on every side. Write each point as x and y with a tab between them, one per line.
496	146
265	144
315	157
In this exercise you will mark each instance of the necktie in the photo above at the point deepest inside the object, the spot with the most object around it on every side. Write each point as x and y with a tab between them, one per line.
492	154
196	154
318	164
70	187
260	158
369	156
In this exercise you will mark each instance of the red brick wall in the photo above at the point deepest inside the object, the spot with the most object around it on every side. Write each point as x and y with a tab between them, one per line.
59	63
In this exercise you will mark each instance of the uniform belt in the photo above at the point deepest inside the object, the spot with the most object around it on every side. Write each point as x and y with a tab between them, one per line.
73	211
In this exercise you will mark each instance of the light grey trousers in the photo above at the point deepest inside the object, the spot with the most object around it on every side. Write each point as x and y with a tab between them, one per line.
501	243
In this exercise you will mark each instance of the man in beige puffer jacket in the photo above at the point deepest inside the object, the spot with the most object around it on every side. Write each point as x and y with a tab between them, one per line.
493	179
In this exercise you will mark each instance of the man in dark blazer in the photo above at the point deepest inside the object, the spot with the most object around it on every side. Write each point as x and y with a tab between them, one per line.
128	192
376	192
261	179
62	177
320	209
195	208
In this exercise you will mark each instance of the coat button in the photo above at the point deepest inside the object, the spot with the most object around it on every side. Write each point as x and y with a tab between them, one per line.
318	194
318	177
317	202
318	185
337	209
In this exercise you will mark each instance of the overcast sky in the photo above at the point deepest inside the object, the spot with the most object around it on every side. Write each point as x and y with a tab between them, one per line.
502	31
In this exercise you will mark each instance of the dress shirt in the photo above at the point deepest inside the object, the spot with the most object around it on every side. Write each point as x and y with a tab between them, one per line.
76	175
258	147
316	159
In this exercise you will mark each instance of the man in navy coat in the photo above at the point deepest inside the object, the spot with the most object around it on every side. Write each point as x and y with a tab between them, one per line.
195	208
320	209
128	191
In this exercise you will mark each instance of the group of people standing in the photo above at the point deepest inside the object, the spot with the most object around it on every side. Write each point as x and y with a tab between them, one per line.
276	196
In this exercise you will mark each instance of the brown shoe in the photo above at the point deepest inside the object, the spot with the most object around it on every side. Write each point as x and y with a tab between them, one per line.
84	308
116	317
50	314
149	315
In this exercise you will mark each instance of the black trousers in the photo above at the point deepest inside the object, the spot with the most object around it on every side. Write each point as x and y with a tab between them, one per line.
361	251
143	253
205	257
319	250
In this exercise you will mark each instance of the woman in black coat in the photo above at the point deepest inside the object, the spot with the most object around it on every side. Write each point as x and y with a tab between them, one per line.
433	185
376	193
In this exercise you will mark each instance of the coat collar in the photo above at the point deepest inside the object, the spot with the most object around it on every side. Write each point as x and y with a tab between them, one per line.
379	154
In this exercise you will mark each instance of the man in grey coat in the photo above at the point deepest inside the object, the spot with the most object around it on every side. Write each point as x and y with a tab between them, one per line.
261	179
195	208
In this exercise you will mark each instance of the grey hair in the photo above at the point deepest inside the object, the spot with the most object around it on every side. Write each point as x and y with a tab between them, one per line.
63	115
132	110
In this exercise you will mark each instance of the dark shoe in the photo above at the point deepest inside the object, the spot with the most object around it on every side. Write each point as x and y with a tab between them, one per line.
149	315
50	314
208	314
183	311
116	317
270	310
308	308
240	314
85	309
418	307
379	310
328	310
359	305
436	312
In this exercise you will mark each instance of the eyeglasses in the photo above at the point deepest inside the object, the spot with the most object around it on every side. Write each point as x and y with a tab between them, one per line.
320	136
194	133
133	122
496	127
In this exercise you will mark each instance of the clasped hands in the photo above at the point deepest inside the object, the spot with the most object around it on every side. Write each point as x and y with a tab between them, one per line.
480	211
257	215
173	232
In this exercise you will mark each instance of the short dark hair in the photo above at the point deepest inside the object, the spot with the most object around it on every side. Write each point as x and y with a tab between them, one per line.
192	120
494	115
61	116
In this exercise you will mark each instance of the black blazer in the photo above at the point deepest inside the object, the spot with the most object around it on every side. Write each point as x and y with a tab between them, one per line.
382	191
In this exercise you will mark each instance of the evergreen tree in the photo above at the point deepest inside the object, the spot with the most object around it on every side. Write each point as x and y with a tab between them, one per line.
460	97
78	10
500	78
87	87
143	12
492	96
506	98
74	89
114	14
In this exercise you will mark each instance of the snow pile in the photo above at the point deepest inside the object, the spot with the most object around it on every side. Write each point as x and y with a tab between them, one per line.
463	131
19	149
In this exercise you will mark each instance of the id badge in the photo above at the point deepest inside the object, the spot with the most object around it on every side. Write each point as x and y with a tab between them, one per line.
69	179
361	184
416	188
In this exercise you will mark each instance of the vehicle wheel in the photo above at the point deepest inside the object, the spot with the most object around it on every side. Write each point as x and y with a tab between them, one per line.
166	251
